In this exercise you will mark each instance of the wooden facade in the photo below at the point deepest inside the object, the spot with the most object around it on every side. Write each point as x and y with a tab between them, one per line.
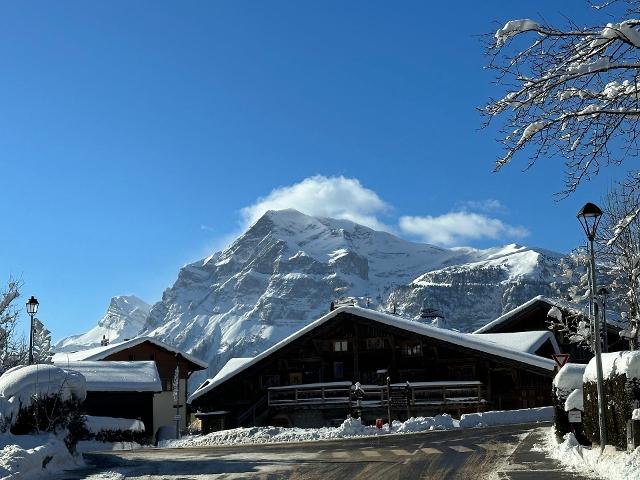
351	348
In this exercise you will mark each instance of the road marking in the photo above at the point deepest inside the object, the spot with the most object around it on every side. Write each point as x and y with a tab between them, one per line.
399	451
431	451
490	446
371	453
340	454
461	449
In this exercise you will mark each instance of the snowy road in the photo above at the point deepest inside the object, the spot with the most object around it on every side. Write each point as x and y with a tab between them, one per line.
458	454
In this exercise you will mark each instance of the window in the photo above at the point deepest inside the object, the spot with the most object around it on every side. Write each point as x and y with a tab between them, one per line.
412	350
340	346
167	385
132	357
338	370
267	381
374	343
295	378
152	356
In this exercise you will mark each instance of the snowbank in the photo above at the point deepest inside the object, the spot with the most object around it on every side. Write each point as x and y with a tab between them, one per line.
611	465
85	446
30	457
423	424
506	417
615	363
20	384
575	400
354	428
100	424
568	379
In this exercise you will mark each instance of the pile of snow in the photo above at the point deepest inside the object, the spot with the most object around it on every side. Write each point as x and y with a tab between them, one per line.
353	427
101	424
30	457
423	424
575	401
611	465
20	384
616	363
85	446
568	379
506	417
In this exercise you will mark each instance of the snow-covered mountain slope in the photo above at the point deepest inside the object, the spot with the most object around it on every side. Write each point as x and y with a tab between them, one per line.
284	271
125	318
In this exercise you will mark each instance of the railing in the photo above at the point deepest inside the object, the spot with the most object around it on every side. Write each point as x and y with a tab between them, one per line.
334	393
420	394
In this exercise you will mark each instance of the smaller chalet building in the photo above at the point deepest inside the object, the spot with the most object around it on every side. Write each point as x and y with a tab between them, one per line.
533	316
309	378
166	360
122	390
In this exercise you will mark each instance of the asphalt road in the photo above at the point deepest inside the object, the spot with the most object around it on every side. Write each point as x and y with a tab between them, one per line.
499	453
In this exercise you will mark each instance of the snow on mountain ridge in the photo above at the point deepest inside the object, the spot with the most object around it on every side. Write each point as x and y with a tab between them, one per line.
287	267
125	318
284	271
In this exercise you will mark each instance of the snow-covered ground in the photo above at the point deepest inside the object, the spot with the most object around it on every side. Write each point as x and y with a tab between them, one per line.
32	457
611	465
353	427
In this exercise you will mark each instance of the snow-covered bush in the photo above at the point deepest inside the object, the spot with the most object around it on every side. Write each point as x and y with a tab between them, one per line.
42	398
621	372
566	381
112	430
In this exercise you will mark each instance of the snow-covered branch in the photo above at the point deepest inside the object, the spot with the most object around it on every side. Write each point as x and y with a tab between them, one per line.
568	93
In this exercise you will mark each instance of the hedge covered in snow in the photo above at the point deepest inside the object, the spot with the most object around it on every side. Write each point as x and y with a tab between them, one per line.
621	373
567	380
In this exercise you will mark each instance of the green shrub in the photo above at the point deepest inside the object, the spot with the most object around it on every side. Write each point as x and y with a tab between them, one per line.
621	396
52	414
122	436
561	418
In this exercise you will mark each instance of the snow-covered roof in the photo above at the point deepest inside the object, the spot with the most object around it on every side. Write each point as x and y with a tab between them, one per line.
100	353
528	342
110	376
511	313
472	341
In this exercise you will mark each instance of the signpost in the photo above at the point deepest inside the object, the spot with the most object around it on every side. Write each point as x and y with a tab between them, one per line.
176	398
561	359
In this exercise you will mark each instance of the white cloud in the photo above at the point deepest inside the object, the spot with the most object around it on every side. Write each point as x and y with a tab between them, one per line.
455	228
487	206
335	197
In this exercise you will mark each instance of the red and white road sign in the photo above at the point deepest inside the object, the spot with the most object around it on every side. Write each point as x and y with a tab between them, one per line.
561	359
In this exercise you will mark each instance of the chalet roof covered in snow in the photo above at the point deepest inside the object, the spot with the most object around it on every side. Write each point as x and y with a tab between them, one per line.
565	305
471	341
100	353
528	342
109	376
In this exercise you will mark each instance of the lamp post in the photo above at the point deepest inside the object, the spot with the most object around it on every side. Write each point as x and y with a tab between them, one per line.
602	293
32	309
589	217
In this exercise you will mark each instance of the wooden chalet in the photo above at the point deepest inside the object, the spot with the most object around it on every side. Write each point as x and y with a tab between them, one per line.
533	316
340	363
121	390
166	358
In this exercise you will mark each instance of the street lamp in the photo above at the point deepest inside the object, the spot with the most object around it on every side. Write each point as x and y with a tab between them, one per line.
32	309
589	217
602	293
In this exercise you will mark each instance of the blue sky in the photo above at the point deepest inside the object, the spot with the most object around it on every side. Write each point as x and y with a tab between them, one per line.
133	134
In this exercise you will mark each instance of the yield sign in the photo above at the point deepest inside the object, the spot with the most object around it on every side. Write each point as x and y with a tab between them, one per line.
560	358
